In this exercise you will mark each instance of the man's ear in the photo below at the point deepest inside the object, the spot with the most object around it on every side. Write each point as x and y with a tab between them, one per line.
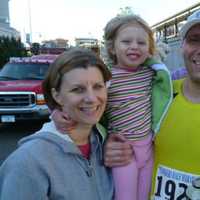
56	96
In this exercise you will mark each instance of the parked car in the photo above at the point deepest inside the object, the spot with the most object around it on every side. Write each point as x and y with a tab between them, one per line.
21	96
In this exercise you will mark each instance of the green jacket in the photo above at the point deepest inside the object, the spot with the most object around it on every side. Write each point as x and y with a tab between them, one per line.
162	95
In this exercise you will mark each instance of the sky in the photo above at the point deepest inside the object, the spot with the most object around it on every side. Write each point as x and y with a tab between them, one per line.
70	19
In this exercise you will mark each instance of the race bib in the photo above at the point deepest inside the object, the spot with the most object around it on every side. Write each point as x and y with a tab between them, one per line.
171	184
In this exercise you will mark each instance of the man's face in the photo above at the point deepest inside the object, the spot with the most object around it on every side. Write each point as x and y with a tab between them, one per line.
191	53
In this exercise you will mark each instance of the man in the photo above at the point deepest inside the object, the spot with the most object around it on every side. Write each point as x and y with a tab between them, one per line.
177	146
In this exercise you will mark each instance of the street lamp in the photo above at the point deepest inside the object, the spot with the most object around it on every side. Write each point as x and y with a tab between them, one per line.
30	22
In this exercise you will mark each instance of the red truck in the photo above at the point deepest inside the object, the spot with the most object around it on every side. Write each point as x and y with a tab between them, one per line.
21	96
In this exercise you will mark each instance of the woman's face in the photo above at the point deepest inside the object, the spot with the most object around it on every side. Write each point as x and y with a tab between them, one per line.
82	95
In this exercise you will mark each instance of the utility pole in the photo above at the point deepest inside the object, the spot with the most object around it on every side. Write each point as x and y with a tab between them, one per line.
30	21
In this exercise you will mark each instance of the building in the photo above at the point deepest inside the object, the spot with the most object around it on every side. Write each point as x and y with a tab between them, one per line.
90	43
167	31
82	42
4	13
5	29
57	43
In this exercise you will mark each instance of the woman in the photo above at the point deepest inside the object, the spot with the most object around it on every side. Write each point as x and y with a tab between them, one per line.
52	165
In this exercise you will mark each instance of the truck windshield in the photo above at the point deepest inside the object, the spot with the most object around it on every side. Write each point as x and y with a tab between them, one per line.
23	71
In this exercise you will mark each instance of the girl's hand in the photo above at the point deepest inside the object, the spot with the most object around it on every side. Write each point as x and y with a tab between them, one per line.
62	121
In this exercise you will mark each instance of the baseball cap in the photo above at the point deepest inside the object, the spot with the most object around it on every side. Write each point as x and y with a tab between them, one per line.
191	21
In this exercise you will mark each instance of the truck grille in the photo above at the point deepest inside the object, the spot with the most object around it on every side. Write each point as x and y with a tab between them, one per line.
17	99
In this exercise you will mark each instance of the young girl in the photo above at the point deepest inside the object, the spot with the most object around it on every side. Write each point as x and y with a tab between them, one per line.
139	95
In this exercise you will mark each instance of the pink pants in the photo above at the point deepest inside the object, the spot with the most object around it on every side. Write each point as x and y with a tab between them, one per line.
133	181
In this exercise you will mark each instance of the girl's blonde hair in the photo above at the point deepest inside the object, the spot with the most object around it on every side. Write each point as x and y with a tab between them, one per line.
113	26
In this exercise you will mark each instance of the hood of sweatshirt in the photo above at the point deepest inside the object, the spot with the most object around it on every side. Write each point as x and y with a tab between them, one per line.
50	134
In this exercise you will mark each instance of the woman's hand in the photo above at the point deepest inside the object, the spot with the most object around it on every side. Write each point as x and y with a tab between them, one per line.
62	121
118	151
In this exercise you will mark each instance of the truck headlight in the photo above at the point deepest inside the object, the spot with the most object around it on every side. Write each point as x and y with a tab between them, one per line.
40	99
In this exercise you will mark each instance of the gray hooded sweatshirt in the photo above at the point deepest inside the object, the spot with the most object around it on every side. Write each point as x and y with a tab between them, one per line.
49	167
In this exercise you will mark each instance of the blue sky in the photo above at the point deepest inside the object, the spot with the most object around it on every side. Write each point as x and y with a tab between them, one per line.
50	19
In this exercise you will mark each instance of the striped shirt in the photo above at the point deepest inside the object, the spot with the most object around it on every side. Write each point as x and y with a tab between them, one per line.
129	102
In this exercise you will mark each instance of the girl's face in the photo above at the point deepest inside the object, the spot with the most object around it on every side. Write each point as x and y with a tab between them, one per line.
82	95
131	46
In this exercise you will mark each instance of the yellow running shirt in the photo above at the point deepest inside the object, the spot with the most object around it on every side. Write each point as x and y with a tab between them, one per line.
177	148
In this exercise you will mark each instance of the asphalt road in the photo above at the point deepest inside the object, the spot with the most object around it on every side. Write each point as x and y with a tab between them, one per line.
10	133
